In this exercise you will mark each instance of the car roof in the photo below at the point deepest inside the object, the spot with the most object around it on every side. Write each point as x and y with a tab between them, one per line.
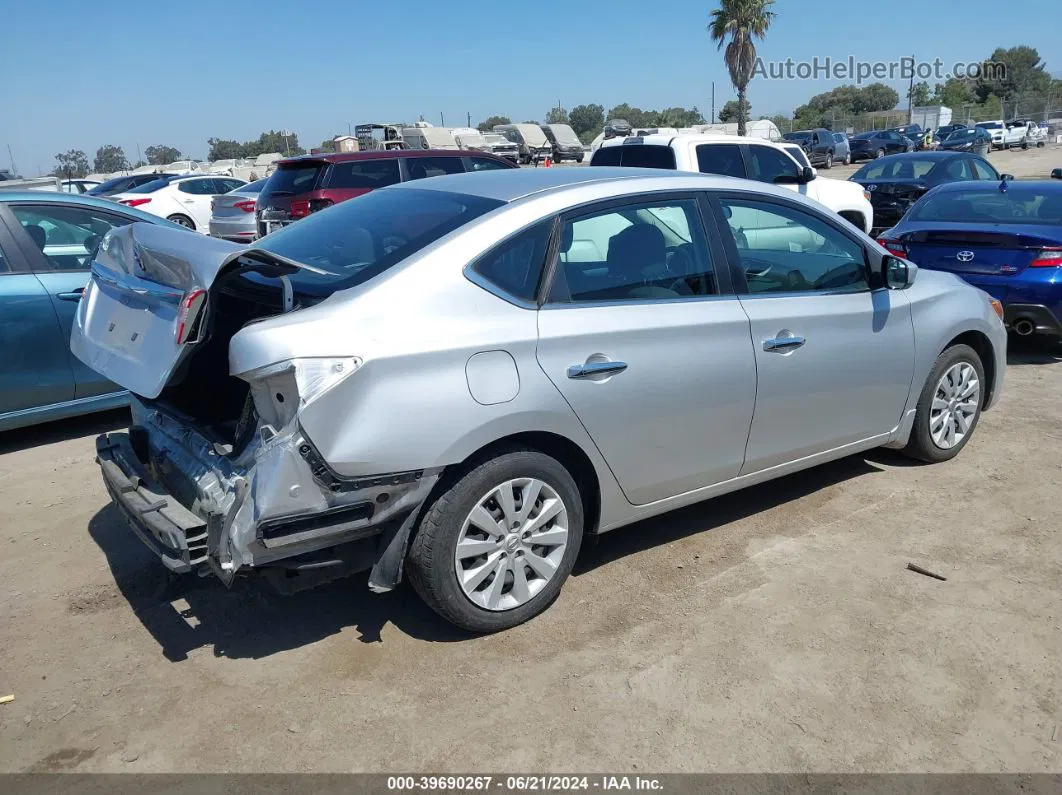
992	186
666	139
511	184
929	155
373	154
81	200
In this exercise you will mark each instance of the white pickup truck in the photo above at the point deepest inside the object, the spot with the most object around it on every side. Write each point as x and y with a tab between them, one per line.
747	158
1004	134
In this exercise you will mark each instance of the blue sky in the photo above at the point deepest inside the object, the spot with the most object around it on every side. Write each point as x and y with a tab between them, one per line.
79	74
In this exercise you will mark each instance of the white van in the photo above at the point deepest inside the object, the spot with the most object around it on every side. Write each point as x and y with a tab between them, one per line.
534	146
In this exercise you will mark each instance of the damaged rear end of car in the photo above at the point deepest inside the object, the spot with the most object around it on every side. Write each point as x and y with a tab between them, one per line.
216	473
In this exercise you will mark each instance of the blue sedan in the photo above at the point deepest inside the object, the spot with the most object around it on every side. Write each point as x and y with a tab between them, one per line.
1004	237
47	241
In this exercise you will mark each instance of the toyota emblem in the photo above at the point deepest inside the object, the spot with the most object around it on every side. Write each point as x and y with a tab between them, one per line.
964	256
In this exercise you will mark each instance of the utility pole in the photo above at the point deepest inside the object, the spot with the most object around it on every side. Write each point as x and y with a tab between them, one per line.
139	156
713	102
442	119
468	123
14	171
348	129
910	93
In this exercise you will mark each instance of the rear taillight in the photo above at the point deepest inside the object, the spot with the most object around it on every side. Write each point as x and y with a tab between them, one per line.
300	208
187	313
1048	258
246	206
133	202
894	247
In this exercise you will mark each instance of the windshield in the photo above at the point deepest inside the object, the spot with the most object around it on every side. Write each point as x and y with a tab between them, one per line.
866	136
797	136
496	138
990	125
1018	205
798	155
960	135
896	168
564	134
357	240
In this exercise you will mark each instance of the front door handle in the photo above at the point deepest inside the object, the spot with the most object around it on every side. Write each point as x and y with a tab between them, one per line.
783	344
596	368
73	295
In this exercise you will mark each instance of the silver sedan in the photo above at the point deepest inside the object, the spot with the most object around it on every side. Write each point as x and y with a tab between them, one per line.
232	213
463	377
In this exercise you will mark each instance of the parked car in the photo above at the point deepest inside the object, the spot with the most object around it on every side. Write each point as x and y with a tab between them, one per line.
1056	173
914	132
1004	134
1005	238
941	133
897	182
968	139
818	145
783	164
232	214
556	320
182	200
878	143
46	243
502	146
118	185
533	143
842	151
566	144
303	185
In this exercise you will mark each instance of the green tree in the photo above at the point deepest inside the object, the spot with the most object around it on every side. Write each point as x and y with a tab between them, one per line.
954	94
1013	74
557	115
740	21
492	121
327	145
730	111
71	164
110	158
160	155
224	149
287	143
586	119
876	97
678	117
636	116
919	94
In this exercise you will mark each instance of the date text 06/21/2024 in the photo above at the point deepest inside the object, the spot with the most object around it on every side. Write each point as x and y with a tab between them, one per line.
523	783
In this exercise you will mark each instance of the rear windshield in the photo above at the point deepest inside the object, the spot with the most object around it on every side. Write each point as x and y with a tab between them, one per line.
251	187
150	187
990	125
797	136
635	155
354	241
294	179
896	168
111	184
1016	206
866	136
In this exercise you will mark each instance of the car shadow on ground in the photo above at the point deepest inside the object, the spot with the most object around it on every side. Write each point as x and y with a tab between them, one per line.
1038	350
63	430
184	612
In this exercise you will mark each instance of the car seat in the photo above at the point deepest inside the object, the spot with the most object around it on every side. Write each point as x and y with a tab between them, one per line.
37	233
639	254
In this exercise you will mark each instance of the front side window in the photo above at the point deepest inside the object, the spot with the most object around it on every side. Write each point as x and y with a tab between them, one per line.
67	236
768	164
642	252
515	267
423	167
724	159
784	249
363	174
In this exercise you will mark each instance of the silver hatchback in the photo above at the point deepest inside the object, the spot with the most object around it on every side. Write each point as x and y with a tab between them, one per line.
462	377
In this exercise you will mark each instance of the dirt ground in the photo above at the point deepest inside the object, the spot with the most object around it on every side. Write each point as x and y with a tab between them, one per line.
771	630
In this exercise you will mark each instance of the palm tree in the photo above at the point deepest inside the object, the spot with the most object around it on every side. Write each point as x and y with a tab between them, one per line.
741	21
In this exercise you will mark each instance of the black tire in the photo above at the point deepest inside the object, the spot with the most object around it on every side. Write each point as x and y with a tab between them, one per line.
430	563
183	220
848	159
829	161
921	445
579	159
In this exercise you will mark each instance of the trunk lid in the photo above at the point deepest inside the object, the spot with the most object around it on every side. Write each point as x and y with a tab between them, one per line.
147	306
959	249
225	205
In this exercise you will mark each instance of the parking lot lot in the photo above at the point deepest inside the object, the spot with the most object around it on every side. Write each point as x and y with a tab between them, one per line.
775	629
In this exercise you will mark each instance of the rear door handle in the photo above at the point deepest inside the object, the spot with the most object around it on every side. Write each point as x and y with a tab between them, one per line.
73	295
783	344
596	368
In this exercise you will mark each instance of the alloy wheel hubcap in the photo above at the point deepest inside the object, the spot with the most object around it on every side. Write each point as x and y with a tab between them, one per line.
955	404
511	544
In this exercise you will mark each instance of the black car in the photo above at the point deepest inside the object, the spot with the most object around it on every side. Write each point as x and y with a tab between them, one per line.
968	139
878	143
896	182
122	184
817	145
942	133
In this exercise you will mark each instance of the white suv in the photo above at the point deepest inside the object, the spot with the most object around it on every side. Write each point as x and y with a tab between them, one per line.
747	158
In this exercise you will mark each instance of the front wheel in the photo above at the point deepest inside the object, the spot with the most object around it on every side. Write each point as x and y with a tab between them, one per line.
182	220
949	406
494	548
829	160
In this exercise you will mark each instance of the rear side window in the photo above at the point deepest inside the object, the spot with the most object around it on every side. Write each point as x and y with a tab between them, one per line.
515	267
422	167
635	156
292	180
363	174
724	159
198	187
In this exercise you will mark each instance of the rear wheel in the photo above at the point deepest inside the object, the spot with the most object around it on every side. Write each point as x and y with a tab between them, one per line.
829	160
848	159
494	549
183	220
949	406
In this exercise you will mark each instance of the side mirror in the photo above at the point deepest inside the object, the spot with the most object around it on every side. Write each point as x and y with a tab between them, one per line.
1006	177
801	177
899	274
